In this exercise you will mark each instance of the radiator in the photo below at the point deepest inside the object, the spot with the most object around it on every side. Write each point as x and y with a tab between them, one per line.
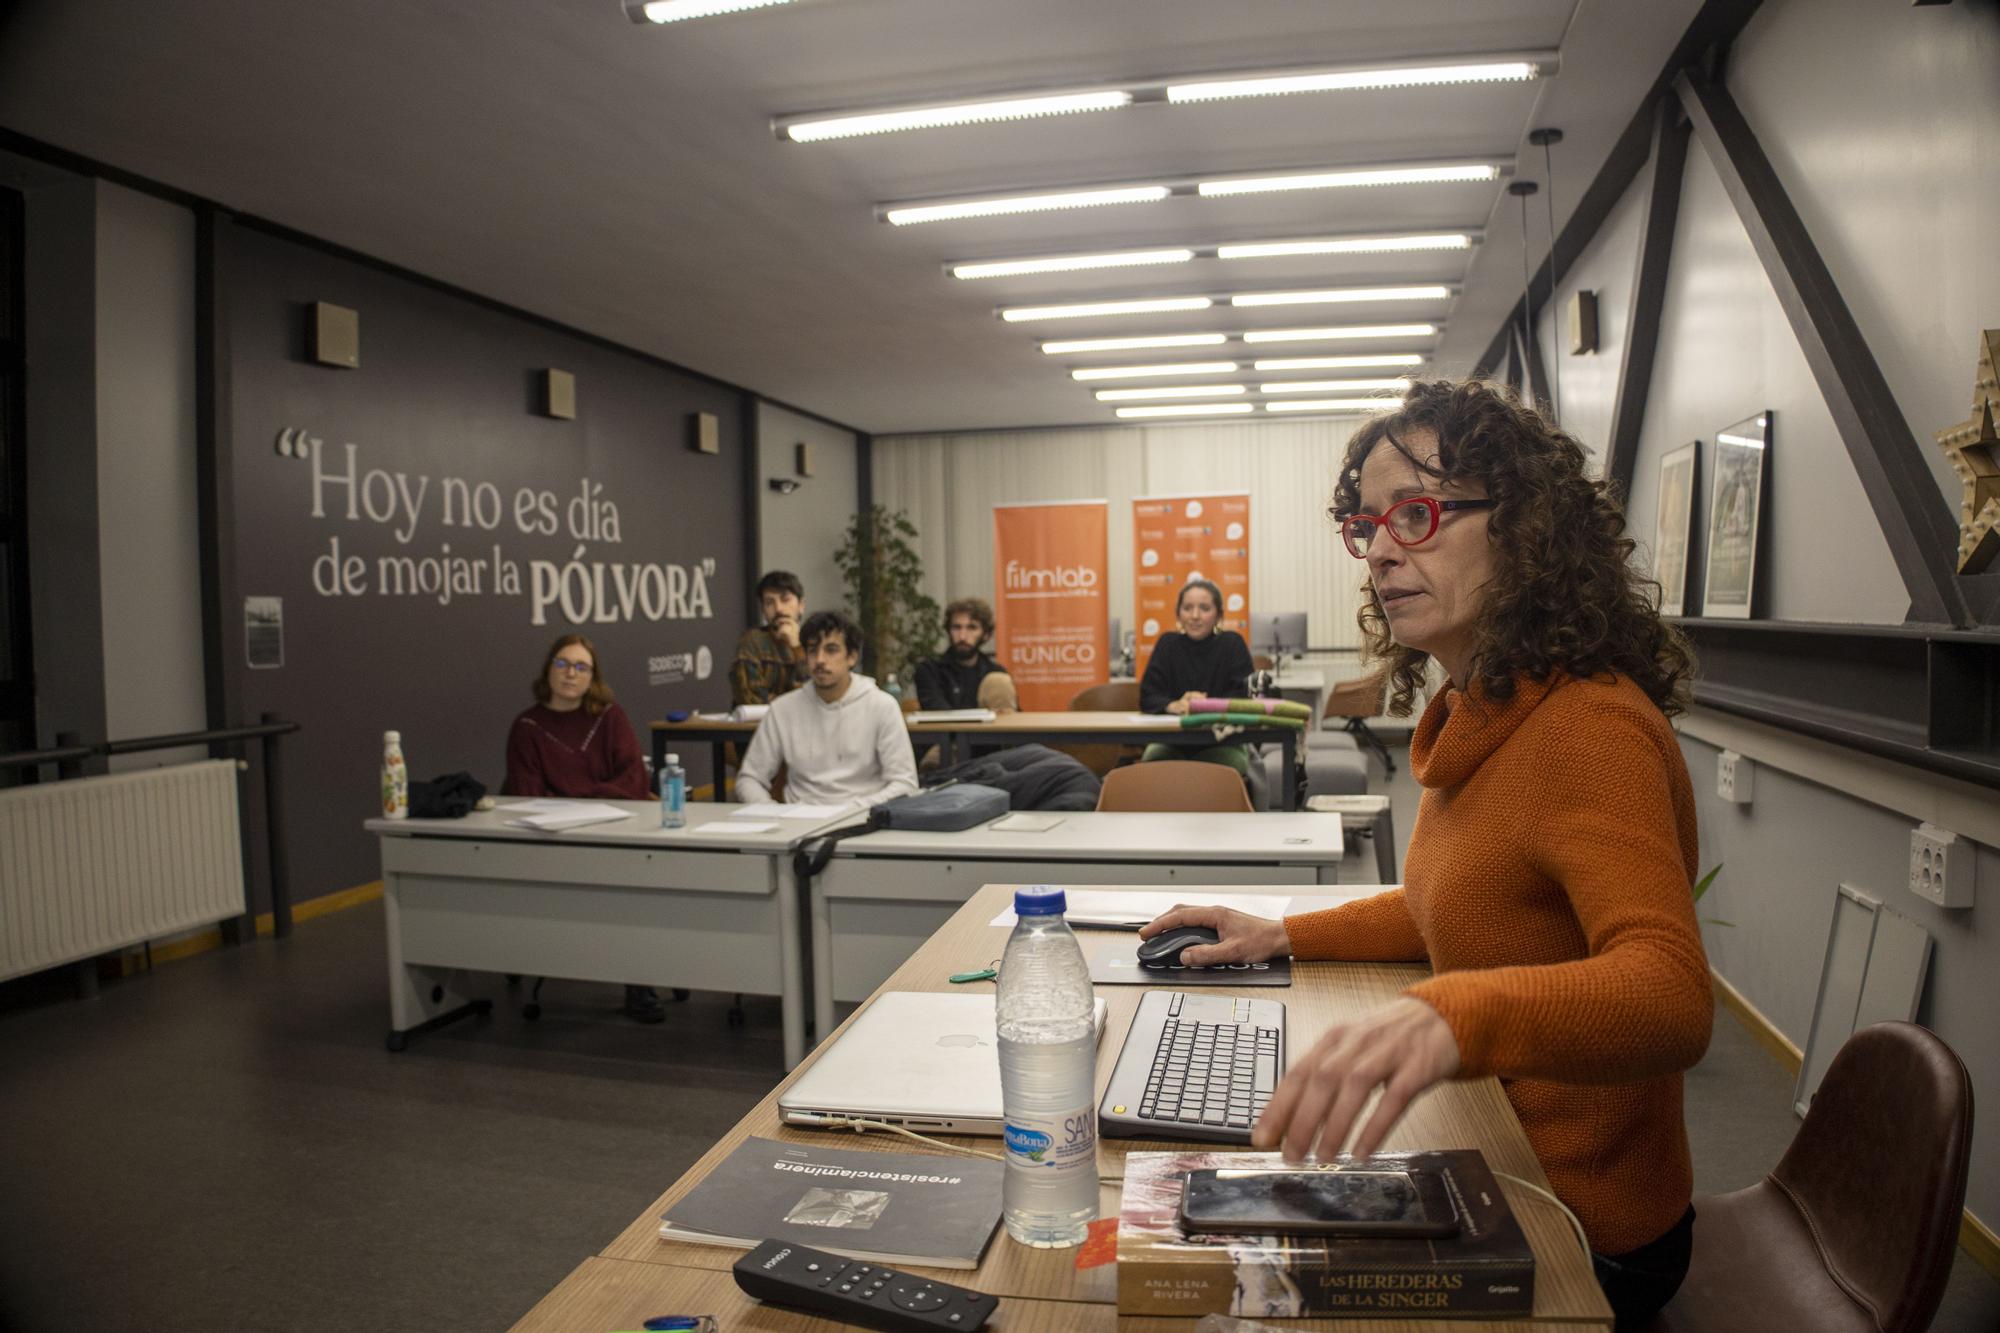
94	864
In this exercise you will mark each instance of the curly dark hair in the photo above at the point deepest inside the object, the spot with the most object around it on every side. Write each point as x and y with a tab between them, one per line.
975	607
1564	596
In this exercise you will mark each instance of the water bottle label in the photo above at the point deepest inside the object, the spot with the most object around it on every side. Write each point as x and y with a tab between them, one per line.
1057	1142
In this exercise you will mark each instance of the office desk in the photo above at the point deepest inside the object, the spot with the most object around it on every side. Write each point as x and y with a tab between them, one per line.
1461	1113
1302	685
629	902
884	894
717	734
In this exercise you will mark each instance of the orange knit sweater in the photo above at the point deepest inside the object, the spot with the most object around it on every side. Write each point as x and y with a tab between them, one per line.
1548	886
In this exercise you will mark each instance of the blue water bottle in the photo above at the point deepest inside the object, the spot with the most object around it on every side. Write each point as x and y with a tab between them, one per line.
673	794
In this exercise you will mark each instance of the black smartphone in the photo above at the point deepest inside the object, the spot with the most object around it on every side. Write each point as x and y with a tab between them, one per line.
1323	1201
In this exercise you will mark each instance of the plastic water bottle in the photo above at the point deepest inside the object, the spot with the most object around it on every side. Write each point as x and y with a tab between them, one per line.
1048	1055
395	778
673	793
892	689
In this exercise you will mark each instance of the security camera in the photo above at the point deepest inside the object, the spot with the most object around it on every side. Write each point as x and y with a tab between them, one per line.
784	485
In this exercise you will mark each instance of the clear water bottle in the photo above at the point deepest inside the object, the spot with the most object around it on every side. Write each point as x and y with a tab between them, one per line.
892	689
395	778
1048	1056
673	793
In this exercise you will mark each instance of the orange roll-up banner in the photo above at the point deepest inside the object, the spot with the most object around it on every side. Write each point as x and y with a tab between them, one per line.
1180	537
1049	598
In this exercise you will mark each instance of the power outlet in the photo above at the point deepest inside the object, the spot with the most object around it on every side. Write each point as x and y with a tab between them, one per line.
1941	866
1733	775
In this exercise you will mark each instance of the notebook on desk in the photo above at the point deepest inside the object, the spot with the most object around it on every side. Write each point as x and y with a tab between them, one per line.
925	1060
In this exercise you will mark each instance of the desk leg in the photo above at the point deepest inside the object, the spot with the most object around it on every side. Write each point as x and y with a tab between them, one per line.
1294	775
420	998
659	752
822	969
718	753
791	964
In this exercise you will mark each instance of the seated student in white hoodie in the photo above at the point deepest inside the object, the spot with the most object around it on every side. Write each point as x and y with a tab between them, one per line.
842	742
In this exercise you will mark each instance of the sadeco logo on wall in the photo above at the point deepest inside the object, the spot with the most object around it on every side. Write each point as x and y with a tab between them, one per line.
577	590
674	668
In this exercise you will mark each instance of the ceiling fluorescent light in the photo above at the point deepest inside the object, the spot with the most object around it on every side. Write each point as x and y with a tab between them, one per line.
1013	268
1362	77
1189	410
813	129
1337	405
1341	295
1142	372
1340	332
673	11
1341	362
1347	245
1334	386
1155	306
1329	180
905	215
1171	391
1131	344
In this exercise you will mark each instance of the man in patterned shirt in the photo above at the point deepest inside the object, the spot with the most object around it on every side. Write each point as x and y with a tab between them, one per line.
769	661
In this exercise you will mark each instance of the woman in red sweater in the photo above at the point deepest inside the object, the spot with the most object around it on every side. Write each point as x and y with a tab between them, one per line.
576	742
1549	871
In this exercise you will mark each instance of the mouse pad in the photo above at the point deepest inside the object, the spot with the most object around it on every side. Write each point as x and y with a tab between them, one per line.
1117	964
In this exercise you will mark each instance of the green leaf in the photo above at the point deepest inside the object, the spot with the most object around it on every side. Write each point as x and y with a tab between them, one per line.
1701	885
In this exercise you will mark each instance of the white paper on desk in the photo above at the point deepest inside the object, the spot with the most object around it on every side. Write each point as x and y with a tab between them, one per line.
568	815
724	827
535	807
1135	907
713	717
749	712
953	715
1154	719
786	810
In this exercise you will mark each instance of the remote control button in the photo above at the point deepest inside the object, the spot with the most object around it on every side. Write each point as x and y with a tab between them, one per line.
919	1299
867	1295
812	1268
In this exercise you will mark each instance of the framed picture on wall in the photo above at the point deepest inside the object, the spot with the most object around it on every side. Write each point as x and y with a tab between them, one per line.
1738	465
1673	526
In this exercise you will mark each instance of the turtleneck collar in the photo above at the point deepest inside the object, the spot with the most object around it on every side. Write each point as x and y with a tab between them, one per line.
1460	728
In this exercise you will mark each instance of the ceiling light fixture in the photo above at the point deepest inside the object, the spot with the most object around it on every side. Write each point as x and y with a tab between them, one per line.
1340	332
1341	362
1141	372
813	129
1347	245
1001	206
1359	176
1337	405
1343	295
1189	410
1130	344
1171	391
1152	306
1014	268
1350	78
673	11
1334	386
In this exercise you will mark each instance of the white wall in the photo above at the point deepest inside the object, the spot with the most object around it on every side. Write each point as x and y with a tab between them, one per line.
801	531
148	535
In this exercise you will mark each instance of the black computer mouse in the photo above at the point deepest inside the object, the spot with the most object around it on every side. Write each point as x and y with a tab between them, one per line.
1165	948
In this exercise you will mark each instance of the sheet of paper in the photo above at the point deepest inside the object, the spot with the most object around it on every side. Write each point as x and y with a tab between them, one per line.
729	827
1024	821
1161	720
953	715
535	807
783	810
1135	907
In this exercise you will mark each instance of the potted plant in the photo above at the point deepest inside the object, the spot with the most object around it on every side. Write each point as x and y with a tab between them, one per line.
883	577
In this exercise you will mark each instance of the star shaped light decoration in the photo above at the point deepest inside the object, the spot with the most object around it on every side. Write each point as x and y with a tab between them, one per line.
1974	450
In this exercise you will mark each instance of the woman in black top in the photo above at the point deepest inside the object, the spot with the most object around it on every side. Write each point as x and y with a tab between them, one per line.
1198	662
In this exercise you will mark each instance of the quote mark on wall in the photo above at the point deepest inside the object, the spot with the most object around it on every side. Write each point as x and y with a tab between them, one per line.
708	566
293	442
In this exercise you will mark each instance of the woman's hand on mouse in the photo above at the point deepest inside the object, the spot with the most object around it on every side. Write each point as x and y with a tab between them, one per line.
1244	938
1401	1048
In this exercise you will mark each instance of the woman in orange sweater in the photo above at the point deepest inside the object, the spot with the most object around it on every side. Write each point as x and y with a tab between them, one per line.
1548	877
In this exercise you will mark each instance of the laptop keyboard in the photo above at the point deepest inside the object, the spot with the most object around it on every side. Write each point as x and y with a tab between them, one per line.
1219	1075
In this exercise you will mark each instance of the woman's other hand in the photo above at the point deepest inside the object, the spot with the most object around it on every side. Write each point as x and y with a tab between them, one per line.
1245	938
1401	1048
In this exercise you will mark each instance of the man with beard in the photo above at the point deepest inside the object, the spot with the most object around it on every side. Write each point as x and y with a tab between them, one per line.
964	676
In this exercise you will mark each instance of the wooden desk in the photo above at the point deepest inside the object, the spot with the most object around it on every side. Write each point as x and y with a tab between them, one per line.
1471	1113
717	734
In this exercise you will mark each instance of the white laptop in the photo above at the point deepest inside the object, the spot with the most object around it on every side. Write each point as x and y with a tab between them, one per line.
925	1060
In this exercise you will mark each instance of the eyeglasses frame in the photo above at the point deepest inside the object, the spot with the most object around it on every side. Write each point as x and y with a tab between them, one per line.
1439	508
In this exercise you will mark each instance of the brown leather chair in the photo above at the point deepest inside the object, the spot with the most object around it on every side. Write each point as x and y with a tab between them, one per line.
1351	702
1175	785
1855	1230
1119	696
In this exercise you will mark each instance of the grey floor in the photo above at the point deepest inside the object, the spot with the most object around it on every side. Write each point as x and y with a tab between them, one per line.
225	1144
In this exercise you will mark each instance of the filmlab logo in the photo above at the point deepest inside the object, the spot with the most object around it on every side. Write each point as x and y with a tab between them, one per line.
1052	579
673	668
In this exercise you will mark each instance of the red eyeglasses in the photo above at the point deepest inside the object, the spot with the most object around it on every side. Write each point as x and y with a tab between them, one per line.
1410	522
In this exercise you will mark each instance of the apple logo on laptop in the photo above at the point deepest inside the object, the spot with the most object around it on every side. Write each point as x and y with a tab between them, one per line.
960	1039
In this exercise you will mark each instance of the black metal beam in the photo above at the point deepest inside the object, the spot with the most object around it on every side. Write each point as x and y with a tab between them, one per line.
1908	505
1649	291
215	490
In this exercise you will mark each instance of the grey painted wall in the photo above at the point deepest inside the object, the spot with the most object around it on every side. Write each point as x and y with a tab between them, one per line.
148	534
800	531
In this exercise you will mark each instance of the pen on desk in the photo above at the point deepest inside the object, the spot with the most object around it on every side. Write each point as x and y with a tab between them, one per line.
682	1323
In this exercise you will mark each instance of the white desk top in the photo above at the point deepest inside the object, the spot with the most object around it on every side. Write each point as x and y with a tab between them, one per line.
640	829
1297	838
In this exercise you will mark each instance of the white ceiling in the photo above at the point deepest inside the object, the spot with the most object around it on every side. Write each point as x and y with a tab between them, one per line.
624	178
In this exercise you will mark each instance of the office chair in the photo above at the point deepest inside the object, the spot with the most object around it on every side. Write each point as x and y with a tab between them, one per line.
1174	785
1121	696
1855	1230
1354	701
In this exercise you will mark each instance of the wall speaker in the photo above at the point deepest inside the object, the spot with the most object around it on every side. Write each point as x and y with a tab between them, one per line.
559	394
803	460
335	335
1582	322
704	435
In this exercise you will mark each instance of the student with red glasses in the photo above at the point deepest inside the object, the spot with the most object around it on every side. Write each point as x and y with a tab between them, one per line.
1548	882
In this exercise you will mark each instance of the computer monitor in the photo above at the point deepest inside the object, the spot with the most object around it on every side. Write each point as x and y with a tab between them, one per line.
1278	633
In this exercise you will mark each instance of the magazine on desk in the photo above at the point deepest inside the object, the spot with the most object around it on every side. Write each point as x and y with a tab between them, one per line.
926	1210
